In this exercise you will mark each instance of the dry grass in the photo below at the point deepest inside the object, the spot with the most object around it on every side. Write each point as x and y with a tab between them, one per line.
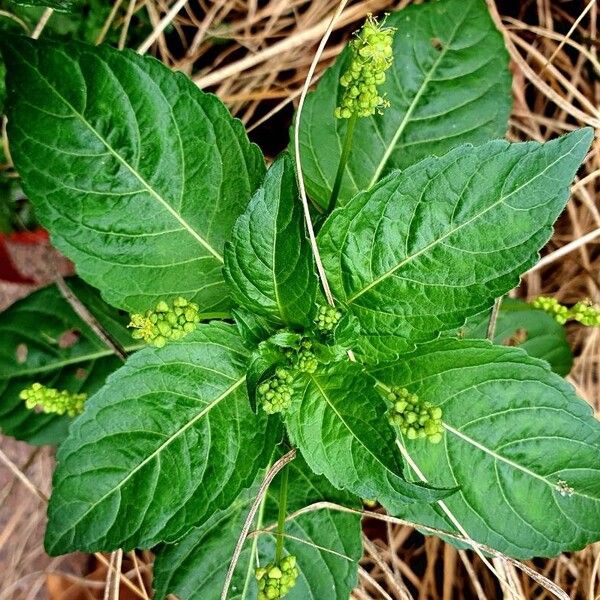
255	55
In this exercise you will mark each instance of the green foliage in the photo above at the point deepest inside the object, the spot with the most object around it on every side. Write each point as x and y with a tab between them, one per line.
520	446
155	170
326	543
170	434
338	422
438	242
449	84
43	340
270	268
155	192
528	328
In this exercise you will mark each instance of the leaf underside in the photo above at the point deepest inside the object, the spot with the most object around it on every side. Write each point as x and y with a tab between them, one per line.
169	440
449	84
532	330
432	245
522	447
137	174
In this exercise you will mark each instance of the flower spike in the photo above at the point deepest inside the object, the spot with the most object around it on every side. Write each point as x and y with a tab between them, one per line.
51	400
372	55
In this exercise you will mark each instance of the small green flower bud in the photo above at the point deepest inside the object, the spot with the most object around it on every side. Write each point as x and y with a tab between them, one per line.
50	400
414	418
276	580
552	307
327	318
165	322
586	313
275	394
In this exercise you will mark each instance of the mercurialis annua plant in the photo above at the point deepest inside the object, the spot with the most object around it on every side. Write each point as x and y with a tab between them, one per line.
362	362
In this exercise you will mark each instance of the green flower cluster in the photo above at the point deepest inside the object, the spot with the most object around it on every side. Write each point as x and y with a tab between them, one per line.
552	307
415	418
165	322
305	360
584	311
371	57
51	400
275	393
327	318
276	580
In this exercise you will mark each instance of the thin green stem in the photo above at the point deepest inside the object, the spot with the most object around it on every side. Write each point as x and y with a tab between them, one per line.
282	514
343	160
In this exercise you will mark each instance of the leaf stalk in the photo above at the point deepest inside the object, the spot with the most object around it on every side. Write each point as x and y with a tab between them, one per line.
343	161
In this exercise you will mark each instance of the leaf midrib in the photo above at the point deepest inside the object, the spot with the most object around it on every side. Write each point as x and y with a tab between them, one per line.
413	105
451	232
207	408
54	366
341	418
499	458
133	171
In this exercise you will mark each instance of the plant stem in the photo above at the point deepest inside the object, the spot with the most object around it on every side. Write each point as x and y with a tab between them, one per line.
343	160
282	513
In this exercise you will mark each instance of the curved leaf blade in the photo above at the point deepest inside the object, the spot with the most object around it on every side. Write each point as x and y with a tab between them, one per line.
169	440
338	422
269	264
532	330
449	84
438	242
522	447
326	543
45	341
138	175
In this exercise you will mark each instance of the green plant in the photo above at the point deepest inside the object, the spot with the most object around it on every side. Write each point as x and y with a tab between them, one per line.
164	205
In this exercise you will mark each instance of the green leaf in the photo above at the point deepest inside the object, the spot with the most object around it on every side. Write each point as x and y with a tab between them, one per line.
522	447
169	440
449	84
252	328
328	546
62	5
533	330
428	247
44	340
269	264
338	422
138	175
